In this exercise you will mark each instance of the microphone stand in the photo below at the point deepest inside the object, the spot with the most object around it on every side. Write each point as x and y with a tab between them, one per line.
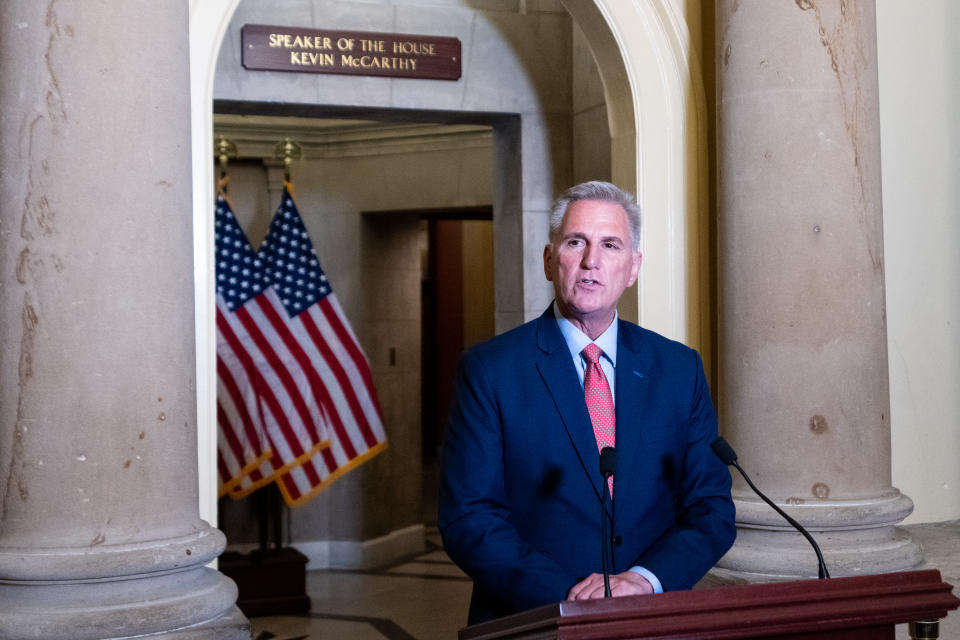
608	464
727	455
604	537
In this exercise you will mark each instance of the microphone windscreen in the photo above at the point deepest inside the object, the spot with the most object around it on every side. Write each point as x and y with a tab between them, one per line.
608	461
724	451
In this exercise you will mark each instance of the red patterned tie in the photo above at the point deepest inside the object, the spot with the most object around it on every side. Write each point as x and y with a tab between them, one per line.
599	401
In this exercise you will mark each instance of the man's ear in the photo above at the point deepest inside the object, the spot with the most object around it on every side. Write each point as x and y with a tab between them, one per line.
635	268
547	258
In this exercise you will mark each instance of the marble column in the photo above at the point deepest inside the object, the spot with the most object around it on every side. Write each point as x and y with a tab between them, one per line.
803	392
100	535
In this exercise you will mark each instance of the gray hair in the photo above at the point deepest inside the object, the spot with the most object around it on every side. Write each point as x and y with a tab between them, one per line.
597	190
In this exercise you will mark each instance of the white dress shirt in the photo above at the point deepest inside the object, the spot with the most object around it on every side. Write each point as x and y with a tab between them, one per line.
607	342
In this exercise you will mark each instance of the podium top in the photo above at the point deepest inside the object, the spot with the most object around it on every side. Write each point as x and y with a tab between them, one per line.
746	611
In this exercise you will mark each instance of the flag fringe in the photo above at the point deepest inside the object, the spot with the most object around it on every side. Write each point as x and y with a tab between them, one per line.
228	486
336	474
231	486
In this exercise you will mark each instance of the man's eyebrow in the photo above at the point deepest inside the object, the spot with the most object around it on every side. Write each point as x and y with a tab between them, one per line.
582	236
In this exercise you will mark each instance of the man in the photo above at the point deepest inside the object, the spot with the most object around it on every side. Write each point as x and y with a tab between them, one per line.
520	494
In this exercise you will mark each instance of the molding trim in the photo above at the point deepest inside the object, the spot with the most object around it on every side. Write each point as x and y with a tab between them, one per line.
208	24
657	114
358	555
257	136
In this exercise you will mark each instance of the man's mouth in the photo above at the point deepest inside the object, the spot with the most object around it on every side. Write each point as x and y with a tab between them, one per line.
588	281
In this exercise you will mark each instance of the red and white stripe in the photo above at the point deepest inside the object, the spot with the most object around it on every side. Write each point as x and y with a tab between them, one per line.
276	395
308	385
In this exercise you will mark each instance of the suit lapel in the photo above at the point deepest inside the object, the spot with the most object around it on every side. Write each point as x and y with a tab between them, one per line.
558	373
633	394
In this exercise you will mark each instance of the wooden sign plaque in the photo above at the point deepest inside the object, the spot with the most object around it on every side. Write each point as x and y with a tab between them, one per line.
270	48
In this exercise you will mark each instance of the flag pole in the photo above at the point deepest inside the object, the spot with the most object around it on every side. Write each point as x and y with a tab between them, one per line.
224	149
289	151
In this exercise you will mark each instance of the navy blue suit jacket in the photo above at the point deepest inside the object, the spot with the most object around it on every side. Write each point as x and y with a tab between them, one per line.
519	506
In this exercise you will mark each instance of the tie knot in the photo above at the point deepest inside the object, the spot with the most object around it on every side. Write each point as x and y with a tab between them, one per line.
592	353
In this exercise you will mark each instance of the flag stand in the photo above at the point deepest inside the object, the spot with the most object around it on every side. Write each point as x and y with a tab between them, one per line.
271	580
269	509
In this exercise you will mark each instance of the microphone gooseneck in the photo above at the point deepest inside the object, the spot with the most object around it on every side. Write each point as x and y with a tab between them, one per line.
608	466
729	457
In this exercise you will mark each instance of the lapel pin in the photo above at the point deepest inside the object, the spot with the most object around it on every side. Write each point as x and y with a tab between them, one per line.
638	374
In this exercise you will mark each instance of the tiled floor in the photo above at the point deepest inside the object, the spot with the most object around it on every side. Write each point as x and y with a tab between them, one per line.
422	598
941	548
426	597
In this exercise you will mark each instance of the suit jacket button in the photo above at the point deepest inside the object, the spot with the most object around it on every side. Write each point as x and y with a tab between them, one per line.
617	541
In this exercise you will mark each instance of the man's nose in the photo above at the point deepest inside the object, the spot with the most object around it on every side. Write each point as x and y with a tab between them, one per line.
589	258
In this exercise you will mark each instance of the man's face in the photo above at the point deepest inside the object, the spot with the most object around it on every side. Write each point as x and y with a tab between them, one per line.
591	261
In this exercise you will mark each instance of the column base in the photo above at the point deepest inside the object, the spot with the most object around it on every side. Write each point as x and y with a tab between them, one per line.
187	602
856	538
232	625
103	562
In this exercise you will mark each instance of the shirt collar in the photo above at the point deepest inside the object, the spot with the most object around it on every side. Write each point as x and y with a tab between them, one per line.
576	340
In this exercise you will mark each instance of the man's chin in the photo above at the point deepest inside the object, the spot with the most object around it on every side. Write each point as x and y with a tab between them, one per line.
584	311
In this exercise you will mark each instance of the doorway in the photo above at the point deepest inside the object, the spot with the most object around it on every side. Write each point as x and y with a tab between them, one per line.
456	312
385	236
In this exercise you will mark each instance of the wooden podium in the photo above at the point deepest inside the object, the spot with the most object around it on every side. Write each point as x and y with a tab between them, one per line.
858	608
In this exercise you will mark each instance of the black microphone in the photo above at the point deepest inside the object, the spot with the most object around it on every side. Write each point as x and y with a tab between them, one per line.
608	466
729	457
608	462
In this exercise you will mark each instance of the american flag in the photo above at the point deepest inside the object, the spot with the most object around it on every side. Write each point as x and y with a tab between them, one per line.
296	401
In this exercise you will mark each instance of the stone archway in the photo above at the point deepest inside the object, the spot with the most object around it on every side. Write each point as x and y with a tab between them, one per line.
658	127
208	24
656	111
